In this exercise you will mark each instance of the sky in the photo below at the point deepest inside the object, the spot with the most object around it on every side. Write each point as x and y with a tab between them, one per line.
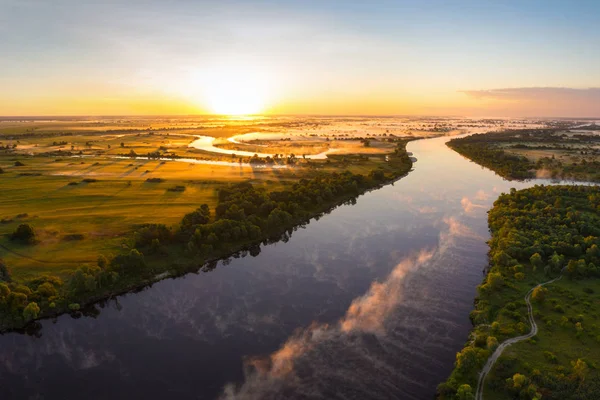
470	58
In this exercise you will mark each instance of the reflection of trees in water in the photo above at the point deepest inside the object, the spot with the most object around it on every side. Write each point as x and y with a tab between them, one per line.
34	328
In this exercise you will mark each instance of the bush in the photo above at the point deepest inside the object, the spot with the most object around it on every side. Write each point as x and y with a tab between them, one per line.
4	272
126	263
32	311
19	164
73	236
178	188
24	234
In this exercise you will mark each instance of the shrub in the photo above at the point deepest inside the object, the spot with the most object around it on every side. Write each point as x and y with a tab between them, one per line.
154	180
32	311
178	188
4	272
24	233
125	263
73	236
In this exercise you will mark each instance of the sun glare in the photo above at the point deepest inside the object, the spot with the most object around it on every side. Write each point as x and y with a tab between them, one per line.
234	92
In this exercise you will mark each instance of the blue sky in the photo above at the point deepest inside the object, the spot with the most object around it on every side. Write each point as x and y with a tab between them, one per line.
384	57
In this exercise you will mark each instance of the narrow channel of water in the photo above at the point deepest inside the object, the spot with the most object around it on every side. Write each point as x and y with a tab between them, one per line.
369	302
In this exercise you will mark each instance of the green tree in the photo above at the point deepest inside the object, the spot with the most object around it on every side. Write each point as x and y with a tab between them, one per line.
492	342
102	261
539	294
4	272
465	392
4	292
24	234
519	381
495	280
580	369
32	311
466	359
46	289
536	261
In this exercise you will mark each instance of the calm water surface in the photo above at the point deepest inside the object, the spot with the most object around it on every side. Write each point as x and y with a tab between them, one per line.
369	302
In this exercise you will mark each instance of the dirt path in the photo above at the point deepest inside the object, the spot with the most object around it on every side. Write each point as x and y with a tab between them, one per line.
494	357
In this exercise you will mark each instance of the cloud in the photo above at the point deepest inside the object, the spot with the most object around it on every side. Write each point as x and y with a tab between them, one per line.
540	101
427	210
469	206
316	347
481	195
536	93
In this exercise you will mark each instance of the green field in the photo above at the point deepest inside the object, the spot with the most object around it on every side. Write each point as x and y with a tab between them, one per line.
86	195
536	153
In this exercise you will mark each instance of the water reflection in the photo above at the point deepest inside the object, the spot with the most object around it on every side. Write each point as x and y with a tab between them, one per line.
345	309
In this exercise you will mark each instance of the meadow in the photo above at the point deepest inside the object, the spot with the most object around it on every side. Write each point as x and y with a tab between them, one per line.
552	153
87	190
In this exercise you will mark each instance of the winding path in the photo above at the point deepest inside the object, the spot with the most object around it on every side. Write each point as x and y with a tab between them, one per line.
494	357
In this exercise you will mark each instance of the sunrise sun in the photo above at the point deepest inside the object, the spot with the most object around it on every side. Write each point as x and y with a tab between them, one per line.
233	91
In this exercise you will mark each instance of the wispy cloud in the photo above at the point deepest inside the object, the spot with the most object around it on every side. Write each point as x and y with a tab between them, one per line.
540	101
267	377
536	93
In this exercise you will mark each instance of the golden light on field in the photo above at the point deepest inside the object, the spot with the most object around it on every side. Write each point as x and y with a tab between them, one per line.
234	91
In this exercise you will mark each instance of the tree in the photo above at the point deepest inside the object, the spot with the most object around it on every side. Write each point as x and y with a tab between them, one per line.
556	261
24	233
125	263
32	311
580	369
46	289
102	261
464	392
519	276
572	269
519	381
539	294
495	280
4	292
4	272
492	342
536	261
466	359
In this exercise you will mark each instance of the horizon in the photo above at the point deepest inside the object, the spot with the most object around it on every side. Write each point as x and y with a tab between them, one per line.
249	116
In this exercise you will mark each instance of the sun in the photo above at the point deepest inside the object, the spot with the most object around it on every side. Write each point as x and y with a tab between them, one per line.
234	91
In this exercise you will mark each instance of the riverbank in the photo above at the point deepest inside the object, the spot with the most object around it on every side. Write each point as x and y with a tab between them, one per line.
536	233
535	153
244	218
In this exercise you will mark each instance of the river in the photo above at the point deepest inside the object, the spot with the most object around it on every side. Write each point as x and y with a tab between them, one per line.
369	302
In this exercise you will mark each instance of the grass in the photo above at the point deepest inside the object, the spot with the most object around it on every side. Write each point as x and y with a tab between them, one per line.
556	336
103	199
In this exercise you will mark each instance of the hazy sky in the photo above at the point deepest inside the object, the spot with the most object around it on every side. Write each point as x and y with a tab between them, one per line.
513	58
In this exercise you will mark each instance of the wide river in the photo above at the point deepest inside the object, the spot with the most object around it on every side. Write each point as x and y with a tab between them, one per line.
369	302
